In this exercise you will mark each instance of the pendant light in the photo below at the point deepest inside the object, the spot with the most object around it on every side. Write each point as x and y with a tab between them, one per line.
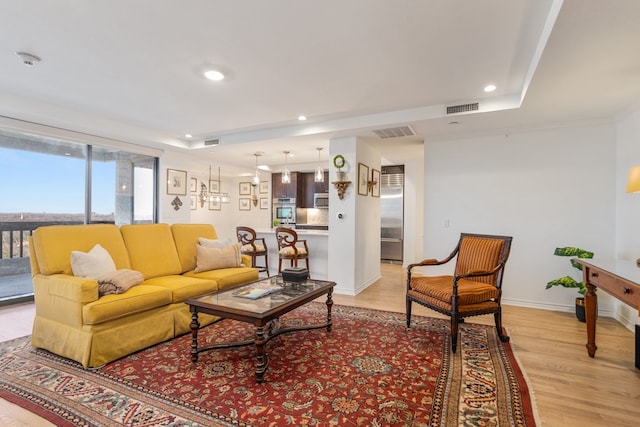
256	178
220	197
286	175
318	176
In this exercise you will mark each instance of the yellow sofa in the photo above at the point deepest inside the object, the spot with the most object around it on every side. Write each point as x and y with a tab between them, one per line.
73	321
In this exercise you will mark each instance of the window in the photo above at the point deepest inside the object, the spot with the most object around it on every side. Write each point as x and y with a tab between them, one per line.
51	181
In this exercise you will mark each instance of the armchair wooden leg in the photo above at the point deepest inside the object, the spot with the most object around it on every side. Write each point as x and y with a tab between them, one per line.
454	333
409	312
498	318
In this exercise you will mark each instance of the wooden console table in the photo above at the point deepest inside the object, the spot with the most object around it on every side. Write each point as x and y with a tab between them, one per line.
621	279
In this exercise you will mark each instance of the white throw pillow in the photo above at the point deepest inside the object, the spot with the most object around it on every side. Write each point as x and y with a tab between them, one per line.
216	243
93	264
216	258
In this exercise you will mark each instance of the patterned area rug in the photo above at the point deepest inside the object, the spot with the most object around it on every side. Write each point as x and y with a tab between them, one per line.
370	370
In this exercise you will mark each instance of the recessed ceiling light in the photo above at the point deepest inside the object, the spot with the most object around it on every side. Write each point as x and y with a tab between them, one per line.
302	118
188	135
490	88
214	75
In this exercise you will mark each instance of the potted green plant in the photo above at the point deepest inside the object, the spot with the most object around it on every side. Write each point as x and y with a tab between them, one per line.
570	282
338	163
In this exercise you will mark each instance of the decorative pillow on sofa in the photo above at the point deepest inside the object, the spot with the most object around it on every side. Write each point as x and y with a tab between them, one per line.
119	281
216	243
216	258
93	264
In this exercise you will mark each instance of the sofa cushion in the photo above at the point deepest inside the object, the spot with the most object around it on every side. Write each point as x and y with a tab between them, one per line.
53	245
186	237
151	249
183	287
217	258
228	277
136	300
119	281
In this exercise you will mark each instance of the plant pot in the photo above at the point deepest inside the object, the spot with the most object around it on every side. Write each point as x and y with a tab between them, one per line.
580	314
341	176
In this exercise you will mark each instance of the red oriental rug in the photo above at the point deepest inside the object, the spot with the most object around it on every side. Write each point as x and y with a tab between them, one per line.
370	370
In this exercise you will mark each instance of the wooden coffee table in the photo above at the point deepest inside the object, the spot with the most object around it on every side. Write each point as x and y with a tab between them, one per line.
263	312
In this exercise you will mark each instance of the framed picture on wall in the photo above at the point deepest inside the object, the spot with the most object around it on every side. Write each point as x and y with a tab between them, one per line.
264	187
214	186
193	202
244	188
176	182
375	179
244	204
363	178
264	203
194	185
214	205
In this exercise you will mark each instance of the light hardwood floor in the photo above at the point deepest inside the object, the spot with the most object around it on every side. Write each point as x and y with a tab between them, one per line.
569	387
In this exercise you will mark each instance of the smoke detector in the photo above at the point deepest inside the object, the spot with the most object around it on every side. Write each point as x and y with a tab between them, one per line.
28	59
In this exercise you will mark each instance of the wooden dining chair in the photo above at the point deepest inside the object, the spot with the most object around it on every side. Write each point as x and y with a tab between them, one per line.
254	247
290	247
475	288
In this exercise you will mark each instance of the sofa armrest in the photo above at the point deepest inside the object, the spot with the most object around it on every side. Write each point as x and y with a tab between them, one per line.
60	297
72	288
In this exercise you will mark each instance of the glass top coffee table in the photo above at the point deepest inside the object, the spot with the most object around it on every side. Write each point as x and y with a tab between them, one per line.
260	303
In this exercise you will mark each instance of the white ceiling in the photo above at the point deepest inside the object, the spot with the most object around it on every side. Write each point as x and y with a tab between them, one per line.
132	70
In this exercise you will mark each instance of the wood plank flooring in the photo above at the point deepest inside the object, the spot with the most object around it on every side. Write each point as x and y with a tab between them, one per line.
570	388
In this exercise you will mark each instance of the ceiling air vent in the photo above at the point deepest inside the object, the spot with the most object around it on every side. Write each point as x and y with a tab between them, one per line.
210	142
395	132
462	108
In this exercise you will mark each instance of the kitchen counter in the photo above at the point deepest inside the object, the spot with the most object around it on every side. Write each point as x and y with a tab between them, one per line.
317	243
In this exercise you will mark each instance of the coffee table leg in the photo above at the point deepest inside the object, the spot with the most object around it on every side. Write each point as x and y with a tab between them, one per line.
262	360
329	305
195	325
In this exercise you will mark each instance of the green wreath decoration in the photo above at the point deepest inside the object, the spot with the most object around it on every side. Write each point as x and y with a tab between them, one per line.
338	161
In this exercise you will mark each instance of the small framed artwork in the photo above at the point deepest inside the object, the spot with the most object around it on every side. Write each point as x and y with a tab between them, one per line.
264	187
363	178
264	203
194	185
176	182
244	204
214	186
245	188
375	182
214	204
193	202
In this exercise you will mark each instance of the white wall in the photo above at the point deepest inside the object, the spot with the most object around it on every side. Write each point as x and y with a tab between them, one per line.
354	240
545	188
627	205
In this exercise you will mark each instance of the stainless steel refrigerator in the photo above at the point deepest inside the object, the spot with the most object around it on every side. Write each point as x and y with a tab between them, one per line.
392	213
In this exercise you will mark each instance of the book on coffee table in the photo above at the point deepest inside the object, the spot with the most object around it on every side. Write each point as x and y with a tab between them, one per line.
256	292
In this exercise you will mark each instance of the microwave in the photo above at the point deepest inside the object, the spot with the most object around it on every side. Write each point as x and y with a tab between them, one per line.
285	214
321	200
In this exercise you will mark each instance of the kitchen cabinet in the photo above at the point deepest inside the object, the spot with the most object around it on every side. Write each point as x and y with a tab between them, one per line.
310	187
285	190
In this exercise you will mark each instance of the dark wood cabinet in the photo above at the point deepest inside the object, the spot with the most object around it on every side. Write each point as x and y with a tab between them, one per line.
284	190
310	187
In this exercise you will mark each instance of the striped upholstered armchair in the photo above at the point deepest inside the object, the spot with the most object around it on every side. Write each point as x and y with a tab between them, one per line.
475	287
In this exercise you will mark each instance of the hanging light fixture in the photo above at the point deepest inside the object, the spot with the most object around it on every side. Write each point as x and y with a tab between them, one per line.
318	176
204	194
286	175
256	178
220	197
